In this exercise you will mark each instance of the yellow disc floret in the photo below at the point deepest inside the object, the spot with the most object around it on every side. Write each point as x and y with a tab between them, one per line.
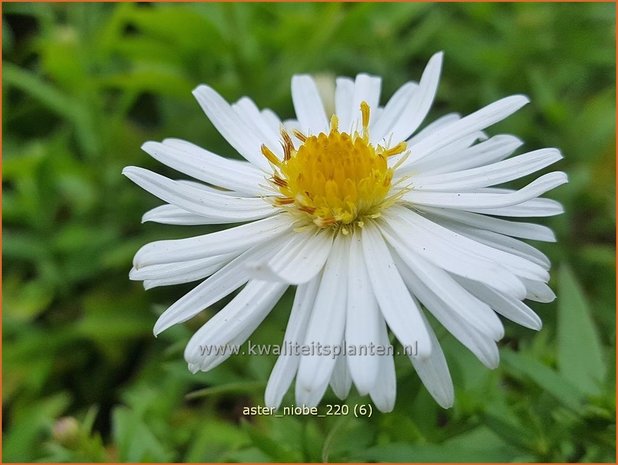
334	179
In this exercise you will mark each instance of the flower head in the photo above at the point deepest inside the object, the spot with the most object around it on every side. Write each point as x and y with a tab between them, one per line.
374	222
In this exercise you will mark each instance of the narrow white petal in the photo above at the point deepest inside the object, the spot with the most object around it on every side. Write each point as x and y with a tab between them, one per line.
249	114
236	239
434	372
223	282
538	291
341	381
225	208
366	89
362	321
533	208
326	327
489	151
399	309
287	363
481	345
433	126
308	105
456	299
502	242
236	132
402	235
171	214
234	344
299	261
245	311
206	166
344	93
384	393
271	118
482	200
420	103
382	126
489	175
476	121
178	273
514	263
535	232
170	269
412	166
505	305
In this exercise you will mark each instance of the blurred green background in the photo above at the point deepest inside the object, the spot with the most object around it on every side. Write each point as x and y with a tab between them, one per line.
84	85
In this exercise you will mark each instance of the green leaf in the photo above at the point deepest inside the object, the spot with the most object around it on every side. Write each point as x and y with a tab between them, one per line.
545	377
580	356
135	440
28	423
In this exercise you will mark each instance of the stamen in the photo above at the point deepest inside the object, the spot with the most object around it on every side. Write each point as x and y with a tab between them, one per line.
270	156
288	145
396	150
334	123
284	201
365	112
299	135
279	182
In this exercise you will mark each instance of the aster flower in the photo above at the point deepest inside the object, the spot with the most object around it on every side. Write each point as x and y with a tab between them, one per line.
374	222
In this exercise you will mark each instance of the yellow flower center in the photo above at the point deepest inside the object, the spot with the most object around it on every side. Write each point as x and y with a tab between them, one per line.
335	179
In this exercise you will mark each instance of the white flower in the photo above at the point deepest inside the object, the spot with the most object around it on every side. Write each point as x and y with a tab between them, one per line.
374	222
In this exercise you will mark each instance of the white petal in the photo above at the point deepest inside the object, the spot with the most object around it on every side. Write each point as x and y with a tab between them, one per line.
505	305
538	207
236	132
236	239
530	231
489	175
287	363
366	89
206	166
249	113
308	105
177	273
412	166
246	311
502	242
362	321
482	200
223	282
482	346
299	261
383	125
384	392
476	121
460	158
224	208
434	372
420	103
341	381
344	93
402	235
271	118
457	301
399	309
433	126
326	327
171	214
514	263
538	291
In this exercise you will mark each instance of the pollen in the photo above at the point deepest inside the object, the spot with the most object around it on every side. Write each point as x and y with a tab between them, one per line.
334	180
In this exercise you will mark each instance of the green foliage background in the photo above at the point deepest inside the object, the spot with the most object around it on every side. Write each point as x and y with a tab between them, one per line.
85	84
